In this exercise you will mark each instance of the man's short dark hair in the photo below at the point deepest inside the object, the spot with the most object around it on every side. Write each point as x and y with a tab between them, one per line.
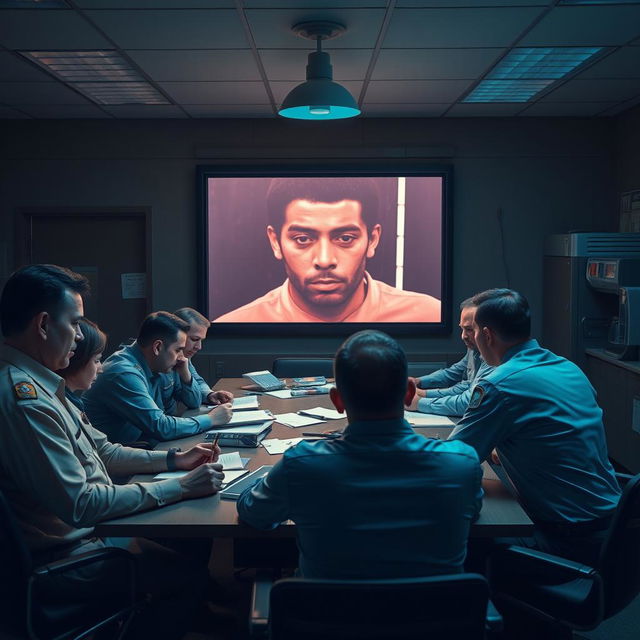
93	342
466	303
161	325
192	317
504	311
371	373
283	191
33	289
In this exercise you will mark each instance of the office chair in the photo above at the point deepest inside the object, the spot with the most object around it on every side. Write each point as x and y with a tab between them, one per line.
568	595
26	611
449	606
300	367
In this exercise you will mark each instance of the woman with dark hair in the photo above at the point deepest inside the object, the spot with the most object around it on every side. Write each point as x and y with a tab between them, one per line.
85	365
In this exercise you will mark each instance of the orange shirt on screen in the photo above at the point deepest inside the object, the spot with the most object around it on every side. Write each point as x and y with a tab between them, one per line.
383	303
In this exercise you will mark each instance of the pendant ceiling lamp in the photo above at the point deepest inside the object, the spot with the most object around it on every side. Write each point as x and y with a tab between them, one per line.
319	98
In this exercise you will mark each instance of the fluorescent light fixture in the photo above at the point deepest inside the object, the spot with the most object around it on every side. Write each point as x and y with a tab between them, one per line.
599	2
103	76
526	71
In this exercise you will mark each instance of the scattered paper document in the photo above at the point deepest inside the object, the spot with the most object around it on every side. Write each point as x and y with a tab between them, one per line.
427	419
245	402
170	475
281	393
248	417
296	420
231	461
322	412
275	446
230	476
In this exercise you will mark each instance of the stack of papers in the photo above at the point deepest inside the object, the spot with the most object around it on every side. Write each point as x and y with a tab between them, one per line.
281	393
232	464
427	420
322	412
245	402
275	446
249	417
295	420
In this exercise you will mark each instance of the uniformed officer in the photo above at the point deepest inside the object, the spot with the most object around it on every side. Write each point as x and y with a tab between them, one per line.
134	397
55	467
447	392
540	413
198	326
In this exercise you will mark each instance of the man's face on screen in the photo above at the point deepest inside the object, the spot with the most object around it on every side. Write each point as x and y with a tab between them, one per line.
324	247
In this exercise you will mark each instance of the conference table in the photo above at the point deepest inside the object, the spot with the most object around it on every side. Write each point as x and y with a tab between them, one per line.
214	517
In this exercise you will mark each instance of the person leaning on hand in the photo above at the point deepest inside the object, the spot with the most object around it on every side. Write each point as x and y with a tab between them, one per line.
55	467
136	394
198	326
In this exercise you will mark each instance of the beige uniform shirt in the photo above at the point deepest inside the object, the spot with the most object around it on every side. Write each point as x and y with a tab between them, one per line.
54	466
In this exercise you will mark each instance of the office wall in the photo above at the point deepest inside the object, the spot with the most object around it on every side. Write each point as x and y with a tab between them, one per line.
545	175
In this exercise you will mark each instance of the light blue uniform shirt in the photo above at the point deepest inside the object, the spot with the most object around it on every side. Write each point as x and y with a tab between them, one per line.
540	412
381	502
128	402
455	400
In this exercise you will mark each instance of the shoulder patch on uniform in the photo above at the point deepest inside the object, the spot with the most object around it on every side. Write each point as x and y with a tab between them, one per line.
25	391
476	397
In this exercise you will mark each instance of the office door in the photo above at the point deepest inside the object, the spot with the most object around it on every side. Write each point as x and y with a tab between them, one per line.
110	247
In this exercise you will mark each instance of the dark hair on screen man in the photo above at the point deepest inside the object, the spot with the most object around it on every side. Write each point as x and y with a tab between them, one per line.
324	230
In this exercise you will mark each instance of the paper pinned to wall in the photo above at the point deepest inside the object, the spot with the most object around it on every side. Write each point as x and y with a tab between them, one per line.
134	285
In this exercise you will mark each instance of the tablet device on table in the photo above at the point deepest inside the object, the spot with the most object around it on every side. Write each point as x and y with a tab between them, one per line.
234	490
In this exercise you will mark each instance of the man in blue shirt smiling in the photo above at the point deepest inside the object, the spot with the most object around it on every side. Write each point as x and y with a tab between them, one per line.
382	501
540	413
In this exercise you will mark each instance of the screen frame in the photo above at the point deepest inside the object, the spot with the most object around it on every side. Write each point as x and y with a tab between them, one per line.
333	169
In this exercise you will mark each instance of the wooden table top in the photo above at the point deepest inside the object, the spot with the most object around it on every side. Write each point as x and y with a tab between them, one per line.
213	517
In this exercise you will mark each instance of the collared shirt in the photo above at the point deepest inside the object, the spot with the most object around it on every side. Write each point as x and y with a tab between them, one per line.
454	401
55	467
198	382
381	502
382	303
129	402
540	412
454	379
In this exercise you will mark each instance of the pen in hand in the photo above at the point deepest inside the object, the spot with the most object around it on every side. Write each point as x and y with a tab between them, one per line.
213	447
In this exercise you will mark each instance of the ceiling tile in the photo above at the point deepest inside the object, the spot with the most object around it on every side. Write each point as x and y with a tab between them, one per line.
434	64
146	111
229	110
585	25
172	29
155	4
443	28
48	29
576	109
417	91
281	89
624	63
377	110
15	68
272	28
595	90
216	92
15	93
467	3
184	66
12	114
64	111
281	64
484	110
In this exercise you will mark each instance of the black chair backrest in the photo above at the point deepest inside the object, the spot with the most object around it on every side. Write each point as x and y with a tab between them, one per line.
16	564
451	606
619	562
300	367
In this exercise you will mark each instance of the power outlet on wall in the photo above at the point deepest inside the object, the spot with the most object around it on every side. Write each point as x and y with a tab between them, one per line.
219	368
